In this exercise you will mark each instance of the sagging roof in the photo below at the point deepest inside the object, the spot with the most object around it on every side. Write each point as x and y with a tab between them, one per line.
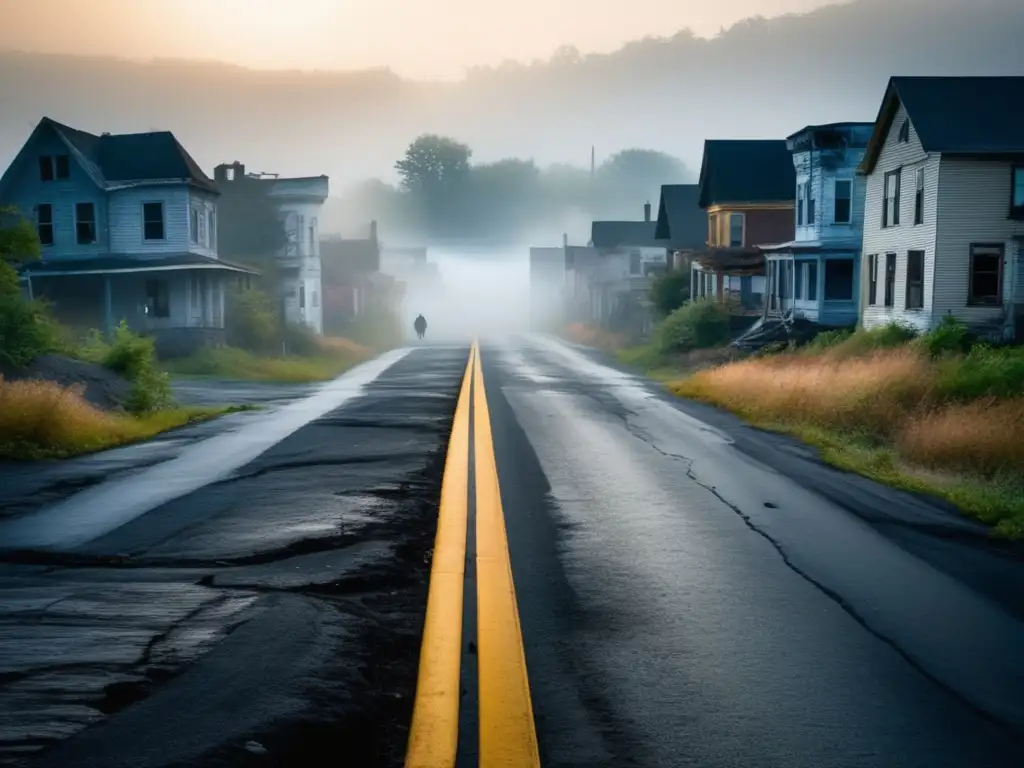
682	224
957	115
746	171
731	261
613	234
117	264
118	159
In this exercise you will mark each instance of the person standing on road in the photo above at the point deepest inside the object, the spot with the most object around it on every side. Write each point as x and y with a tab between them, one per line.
421	326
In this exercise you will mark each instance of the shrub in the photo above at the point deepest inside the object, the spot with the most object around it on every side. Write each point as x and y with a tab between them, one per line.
828	339
26	328
134	357
252	321
984	372
699	324
950	336
670	291
302	341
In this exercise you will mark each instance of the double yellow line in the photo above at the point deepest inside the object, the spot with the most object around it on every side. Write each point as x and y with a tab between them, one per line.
507	734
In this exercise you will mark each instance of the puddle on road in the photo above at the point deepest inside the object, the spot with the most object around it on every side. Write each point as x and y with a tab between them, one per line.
100	509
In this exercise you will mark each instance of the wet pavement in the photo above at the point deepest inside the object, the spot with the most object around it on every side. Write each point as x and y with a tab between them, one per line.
691	591
696	592
232	598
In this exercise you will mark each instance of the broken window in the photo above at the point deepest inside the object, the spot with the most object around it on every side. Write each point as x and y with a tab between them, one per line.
872	279
915	279
919	196
63	166
890	279
838	279
85	223
46	168
44	223
153	221
843	201
986	277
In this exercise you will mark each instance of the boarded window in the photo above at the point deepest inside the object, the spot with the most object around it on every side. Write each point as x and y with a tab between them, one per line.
986	278
890	279
44	223
844	201
85	223
812	280
872	279
838	279
915	279
891	203
158	298
153	221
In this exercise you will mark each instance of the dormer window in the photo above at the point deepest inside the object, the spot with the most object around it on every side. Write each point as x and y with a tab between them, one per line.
904	136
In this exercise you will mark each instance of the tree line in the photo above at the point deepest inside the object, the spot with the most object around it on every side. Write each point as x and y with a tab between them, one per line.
443	193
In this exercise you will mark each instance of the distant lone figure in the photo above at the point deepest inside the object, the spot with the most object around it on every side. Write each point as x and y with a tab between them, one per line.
420	325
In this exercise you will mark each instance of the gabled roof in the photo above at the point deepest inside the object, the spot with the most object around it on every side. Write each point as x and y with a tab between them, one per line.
612	234
126	159
958	115
746	171
681	223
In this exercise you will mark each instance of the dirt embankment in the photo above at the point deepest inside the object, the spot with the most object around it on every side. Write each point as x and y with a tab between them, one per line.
101	387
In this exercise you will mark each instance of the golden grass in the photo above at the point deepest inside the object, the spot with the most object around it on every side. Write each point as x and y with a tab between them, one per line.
336	356
883	414
578	333
41	419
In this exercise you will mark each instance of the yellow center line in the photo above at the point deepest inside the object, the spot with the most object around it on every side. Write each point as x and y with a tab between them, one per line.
434	734
508	738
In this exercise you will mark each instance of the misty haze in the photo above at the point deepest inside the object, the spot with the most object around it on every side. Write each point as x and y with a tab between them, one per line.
576	384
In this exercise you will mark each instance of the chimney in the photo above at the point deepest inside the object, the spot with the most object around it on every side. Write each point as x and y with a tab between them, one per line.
373	230
565	239
220	173
647	212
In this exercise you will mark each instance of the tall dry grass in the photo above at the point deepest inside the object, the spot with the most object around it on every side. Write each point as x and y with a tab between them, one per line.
41	419
588	336
898	396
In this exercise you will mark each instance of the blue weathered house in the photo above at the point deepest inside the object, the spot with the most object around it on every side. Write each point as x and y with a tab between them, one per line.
128	227
816	275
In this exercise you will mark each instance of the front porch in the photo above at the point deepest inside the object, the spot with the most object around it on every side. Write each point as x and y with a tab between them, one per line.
731	275
813	283
180	303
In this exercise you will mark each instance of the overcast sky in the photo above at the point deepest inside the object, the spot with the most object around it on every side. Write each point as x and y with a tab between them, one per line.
416	38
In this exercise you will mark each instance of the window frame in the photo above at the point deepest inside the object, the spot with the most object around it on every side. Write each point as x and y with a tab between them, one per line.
800	193
47	172
848	199
873	280
853	281
61	163
811	205
193	225
903	137
79	221
911	283
972	298
896	174
743	228
1016	207
919	196
40	224
211	227
146	222
889	294
158	297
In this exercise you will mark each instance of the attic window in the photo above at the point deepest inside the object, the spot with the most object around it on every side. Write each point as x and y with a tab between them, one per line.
63	166
904	136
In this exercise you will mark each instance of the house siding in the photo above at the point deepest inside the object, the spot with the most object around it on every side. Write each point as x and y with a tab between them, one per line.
27	190
205	204
973	207
126	224
908	157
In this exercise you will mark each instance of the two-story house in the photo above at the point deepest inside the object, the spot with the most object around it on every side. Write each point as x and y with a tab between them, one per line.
628	256
682	225
816	275
944	205
747	191
128	227
298	202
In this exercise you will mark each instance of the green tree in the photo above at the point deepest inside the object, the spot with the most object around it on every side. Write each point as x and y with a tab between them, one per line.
504	196
628	179
19	242
26	328
434	163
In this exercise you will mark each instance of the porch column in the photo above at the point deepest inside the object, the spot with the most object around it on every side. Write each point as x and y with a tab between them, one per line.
108	306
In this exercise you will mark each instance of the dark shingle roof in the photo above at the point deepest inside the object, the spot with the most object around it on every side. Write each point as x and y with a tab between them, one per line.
959	115
746	171
612	234
134	157
682	223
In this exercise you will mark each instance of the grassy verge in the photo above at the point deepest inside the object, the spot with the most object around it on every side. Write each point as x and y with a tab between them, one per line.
42	420
331	358
934	414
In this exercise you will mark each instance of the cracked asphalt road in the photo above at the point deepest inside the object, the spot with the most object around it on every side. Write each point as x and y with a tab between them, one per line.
694	592
280	604
691	591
